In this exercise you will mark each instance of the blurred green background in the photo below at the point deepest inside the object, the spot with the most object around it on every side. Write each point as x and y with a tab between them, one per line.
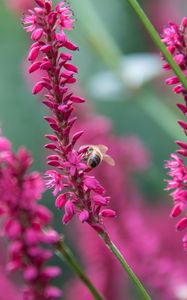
116	82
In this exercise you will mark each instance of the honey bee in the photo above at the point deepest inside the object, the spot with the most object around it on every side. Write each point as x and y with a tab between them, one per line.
95	154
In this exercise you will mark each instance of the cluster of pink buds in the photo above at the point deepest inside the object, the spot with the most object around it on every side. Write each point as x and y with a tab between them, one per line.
78	192
25	222
175	39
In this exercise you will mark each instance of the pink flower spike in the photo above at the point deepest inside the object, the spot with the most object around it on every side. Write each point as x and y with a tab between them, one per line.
24	220
174	37
77	190
108	213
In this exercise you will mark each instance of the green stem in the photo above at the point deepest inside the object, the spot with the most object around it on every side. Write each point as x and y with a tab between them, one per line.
111	55
142	292
156	38
65	253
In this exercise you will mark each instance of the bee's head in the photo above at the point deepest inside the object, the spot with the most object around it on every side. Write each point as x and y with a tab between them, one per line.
90	150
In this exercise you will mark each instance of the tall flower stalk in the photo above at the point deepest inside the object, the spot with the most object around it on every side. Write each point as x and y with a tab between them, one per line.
174	36
75	190
173	51
26	224
81	194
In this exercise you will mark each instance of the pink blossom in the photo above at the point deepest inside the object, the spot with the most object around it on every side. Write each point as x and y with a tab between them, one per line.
49	53
24	222
174	36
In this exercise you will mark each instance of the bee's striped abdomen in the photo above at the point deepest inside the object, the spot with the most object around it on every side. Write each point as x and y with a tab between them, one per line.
94	160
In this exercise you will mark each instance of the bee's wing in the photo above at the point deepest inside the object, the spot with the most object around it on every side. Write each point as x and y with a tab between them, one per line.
109	160
102	148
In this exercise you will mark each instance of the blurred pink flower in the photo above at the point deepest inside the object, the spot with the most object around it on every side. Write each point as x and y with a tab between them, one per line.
24	222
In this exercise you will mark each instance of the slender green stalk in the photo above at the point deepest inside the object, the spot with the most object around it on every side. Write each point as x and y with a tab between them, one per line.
156	38
111	55
142	292
65	253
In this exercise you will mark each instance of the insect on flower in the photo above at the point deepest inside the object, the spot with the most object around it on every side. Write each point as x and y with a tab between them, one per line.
95	154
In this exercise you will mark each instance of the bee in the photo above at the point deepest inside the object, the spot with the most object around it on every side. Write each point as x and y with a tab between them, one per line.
95	154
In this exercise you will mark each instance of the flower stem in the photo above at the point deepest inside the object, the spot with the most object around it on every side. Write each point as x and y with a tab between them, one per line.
111	55
156	38
65	253
142	292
